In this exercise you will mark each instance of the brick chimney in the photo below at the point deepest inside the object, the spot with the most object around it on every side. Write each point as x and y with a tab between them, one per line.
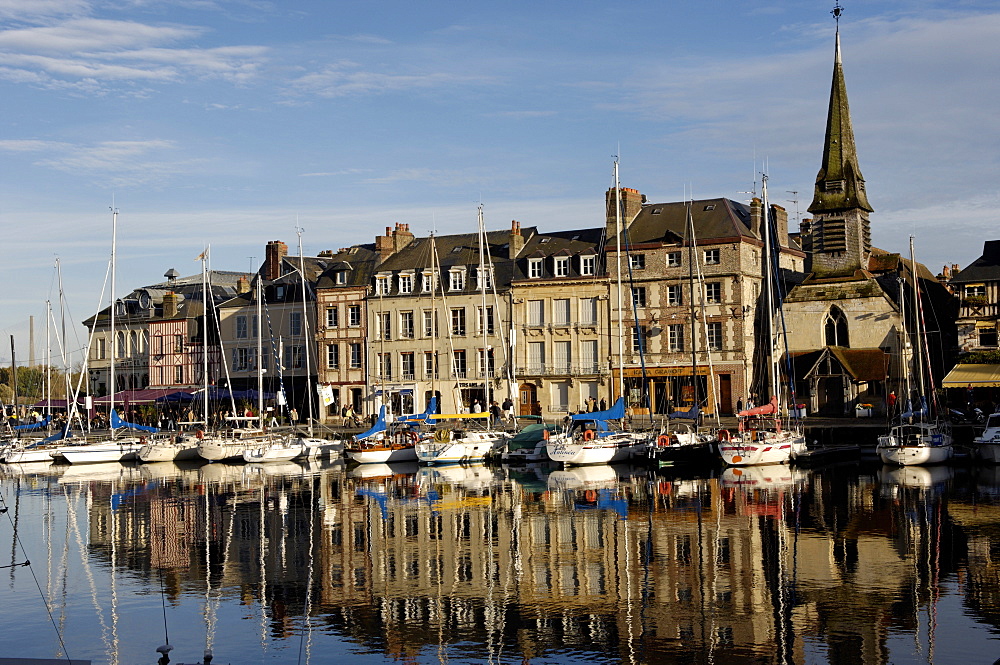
631	201
755	207
516	243
243	285
781	224
273	254
170	301
394	240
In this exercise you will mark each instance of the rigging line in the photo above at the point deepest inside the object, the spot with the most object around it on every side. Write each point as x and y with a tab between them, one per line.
163	603
27	564
644	389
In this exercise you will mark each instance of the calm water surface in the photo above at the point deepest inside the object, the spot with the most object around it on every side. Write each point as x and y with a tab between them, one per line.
288	563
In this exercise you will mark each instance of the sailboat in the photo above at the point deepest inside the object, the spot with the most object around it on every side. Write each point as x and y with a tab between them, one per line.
918	436
452	445
387	442
763	436
591	438
685	443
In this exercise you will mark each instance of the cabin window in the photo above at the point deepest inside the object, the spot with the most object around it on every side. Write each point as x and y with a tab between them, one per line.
457	280
382	286
340	277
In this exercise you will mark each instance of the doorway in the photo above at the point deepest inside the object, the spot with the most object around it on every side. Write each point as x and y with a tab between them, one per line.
529	405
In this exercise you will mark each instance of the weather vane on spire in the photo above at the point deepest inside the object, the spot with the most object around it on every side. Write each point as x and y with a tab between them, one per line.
837	11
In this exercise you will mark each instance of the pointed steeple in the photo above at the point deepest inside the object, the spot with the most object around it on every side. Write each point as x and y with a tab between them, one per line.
840	232
839	184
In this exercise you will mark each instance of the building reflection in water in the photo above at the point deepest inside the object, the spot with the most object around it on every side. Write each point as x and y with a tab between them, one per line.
768	564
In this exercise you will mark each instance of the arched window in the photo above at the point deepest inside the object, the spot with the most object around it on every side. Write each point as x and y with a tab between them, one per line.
836	328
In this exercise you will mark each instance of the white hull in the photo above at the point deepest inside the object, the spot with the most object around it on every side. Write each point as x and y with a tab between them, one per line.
913	444
988	443
536	454
283	450
603	450
313	448
471	448
989	452
219	450
913	455
172	449
30	455
97	453
766	447
380	455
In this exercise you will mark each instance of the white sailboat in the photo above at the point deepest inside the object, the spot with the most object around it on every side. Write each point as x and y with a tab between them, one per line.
987	444
592	438
919	436
764	436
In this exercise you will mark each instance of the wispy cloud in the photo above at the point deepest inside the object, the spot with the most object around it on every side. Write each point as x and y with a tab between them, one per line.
345	78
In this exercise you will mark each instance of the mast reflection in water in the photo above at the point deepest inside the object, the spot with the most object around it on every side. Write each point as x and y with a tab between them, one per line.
293	563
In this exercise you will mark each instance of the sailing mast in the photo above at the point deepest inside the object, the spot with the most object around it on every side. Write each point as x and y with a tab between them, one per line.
482	316
769	269
694	325
920	332
114	337
618	258
305	331
204	332
260	351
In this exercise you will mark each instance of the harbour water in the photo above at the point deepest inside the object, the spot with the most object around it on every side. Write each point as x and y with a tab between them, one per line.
288	563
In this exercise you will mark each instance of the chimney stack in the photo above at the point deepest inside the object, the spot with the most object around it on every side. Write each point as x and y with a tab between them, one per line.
516	243
394	240
243	285
170	305
631	201
273	254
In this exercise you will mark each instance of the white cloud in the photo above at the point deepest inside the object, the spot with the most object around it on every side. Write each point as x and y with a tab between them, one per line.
346	78
27	9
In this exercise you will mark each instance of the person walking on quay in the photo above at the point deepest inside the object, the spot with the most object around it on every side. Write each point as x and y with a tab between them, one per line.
508	409
496	414
604	404
890	404
476	406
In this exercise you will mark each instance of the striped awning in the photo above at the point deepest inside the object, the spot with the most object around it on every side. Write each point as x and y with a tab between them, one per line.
977	376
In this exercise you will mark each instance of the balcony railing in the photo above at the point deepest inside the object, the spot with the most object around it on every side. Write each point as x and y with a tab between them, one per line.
563	369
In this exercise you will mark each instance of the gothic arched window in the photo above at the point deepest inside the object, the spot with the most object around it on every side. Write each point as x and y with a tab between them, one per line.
836	328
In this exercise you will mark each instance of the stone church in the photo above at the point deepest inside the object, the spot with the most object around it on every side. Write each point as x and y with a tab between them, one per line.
848	320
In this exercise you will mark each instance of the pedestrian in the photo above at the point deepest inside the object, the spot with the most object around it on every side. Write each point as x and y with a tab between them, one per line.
604	404
890	402
294	414
496	414
508	409
476	407
591	404
739	405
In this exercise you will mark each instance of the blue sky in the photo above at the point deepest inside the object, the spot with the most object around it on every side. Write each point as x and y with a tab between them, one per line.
229	122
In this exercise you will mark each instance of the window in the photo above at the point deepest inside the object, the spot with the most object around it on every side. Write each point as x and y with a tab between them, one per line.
674	260
588	356
536	358
382	285
406	325
835	329
102	348
639	296
254	327
638	339
588	265
490	323
121	344
486	366
637	261
975	290
332	356
561	266
458	366
179	374
430	367
426	281
489	278
354	316
295	324
178	343
355	355
295	356
340	277
534	268
264	355
406	368
385	325
279	292
714	336
332	320
406	283
241	327
711	257
674	295
458	321
384	365
713	293
457	280
430	325
987	336
675	338
588	310
242	360
536	312
562	357
560	312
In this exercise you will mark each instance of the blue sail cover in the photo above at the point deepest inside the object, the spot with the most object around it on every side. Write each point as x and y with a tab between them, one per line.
912	413
58	436
691	414
31	426
431	408
379	426
118	423
616	412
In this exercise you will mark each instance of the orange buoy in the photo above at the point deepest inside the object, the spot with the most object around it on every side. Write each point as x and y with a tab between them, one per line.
588	435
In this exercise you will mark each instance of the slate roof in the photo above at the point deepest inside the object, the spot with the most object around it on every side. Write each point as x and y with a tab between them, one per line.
861	364
984	269
572	244
666	222
359	261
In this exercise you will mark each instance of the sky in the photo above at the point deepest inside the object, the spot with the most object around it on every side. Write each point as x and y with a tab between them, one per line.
230	123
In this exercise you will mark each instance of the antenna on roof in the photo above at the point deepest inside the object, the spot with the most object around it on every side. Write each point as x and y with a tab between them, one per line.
795	200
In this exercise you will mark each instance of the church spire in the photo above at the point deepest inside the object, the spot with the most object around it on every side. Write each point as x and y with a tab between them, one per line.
839	184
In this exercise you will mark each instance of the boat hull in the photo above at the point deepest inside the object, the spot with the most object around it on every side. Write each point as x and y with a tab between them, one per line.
466	450
766	447
382	454
101	452
607	450
915	455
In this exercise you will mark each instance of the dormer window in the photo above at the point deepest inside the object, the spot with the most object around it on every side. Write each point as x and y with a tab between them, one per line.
456	280
488	278
427	281
279	292
561	266
406	283
382	285
340	277
588	265
534	268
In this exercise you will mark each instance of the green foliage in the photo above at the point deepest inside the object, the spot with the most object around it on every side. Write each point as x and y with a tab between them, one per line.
31	383
980	358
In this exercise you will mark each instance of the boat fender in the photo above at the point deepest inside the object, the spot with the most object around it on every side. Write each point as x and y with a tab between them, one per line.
591	496
588	435
442	436
545	434
724	435
199	434
663	440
